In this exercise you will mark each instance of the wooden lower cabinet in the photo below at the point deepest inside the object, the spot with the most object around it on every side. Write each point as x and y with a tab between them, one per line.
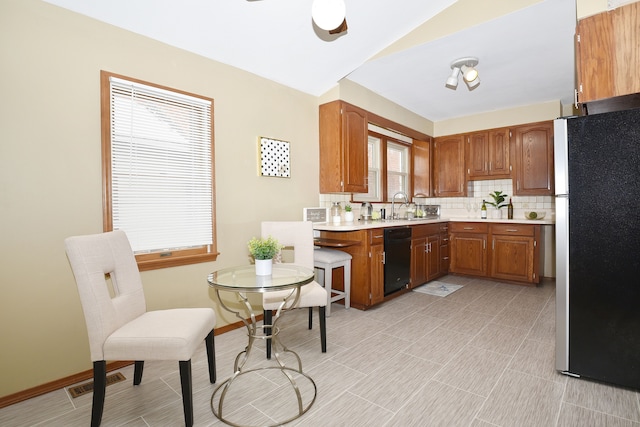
418	261
468	248
367	264
377	273
444	249
508	252
514	252
427	243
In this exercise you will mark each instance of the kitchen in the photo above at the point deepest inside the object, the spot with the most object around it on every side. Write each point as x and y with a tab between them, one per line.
52	183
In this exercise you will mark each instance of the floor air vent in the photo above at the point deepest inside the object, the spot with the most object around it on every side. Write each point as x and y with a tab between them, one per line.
85	388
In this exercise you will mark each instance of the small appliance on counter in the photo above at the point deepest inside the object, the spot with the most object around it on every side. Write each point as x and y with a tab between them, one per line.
366	210
427	211
424	210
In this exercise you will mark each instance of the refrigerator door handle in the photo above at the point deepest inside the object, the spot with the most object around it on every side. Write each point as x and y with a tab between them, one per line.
560	156
562	283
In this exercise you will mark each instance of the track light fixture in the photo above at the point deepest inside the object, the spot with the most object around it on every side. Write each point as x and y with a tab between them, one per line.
466	66
328	14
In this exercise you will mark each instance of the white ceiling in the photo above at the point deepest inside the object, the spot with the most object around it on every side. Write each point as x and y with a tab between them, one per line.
526	57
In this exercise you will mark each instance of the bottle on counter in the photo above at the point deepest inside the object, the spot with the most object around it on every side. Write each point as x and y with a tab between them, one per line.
336	210
483	210
510	209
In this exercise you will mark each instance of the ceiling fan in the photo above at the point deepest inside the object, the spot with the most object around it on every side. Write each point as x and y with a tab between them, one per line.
329	15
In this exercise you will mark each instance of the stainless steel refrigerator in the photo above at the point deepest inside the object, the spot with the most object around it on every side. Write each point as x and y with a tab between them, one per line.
597	173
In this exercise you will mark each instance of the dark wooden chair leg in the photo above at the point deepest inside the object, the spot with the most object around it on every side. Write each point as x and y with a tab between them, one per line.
310	317
99	388
211	356
267	316
137	372
187	397
323	328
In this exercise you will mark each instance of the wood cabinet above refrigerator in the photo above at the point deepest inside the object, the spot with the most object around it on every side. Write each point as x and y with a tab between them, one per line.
608	54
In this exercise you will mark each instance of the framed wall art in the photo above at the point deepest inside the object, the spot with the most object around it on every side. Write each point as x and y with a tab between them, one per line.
274	158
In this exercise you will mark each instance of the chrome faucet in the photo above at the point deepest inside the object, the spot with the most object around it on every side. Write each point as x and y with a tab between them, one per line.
393	202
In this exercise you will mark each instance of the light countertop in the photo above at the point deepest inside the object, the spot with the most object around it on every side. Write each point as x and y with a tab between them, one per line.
364	225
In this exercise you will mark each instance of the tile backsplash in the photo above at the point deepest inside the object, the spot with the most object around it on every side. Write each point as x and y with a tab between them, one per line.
465	207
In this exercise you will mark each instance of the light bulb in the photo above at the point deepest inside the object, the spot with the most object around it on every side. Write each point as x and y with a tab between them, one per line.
328	14
469	73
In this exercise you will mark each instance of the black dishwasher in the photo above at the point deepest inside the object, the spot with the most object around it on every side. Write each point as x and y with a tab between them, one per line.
397	258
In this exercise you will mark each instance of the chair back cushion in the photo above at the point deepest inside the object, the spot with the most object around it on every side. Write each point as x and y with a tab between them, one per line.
298	234
95	260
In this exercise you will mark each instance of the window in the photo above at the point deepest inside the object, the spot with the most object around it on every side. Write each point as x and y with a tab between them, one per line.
397	169
375	176
388	168
158	171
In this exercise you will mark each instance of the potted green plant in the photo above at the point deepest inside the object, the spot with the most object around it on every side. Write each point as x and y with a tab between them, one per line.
348	213
498	202
263	250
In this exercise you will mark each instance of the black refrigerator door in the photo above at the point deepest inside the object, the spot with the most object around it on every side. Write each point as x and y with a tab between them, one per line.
604	247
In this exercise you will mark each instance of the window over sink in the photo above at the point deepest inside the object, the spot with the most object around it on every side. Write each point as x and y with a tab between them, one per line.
389	166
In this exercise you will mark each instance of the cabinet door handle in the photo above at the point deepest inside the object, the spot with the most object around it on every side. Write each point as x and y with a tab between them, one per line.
484	244
445	257
468	228
384	257
493	244
512	230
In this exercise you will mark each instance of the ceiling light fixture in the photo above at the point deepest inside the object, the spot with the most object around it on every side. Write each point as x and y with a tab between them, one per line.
328	14
466	66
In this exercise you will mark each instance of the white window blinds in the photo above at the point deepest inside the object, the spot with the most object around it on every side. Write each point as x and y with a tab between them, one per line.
161	167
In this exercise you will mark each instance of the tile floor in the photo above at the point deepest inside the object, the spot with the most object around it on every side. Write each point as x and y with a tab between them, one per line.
482	356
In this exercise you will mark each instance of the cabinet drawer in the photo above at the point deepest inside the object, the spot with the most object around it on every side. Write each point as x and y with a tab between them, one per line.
425	230
513	229
468	227
376	236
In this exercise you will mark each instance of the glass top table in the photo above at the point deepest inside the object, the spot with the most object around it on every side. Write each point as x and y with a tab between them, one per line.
241	281
244	278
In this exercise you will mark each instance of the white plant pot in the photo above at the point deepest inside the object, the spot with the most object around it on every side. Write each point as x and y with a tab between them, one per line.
264	267
348	216
497	213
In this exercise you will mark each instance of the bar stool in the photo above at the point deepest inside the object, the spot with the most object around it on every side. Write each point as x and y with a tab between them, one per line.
326	260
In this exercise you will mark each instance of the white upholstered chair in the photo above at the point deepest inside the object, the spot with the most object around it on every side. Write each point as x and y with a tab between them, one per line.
299	235
120	327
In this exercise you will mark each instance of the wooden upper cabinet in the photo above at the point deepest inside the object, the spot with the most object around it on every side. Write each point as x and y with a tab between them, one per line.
421	167
449	177
343	148
608	54
500	153
534	160
488	154
477	155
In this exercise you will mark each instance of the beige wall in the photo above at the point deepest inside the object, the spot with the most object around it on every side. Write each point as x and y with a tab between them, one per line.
586	8
355	94
50	175
494	119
